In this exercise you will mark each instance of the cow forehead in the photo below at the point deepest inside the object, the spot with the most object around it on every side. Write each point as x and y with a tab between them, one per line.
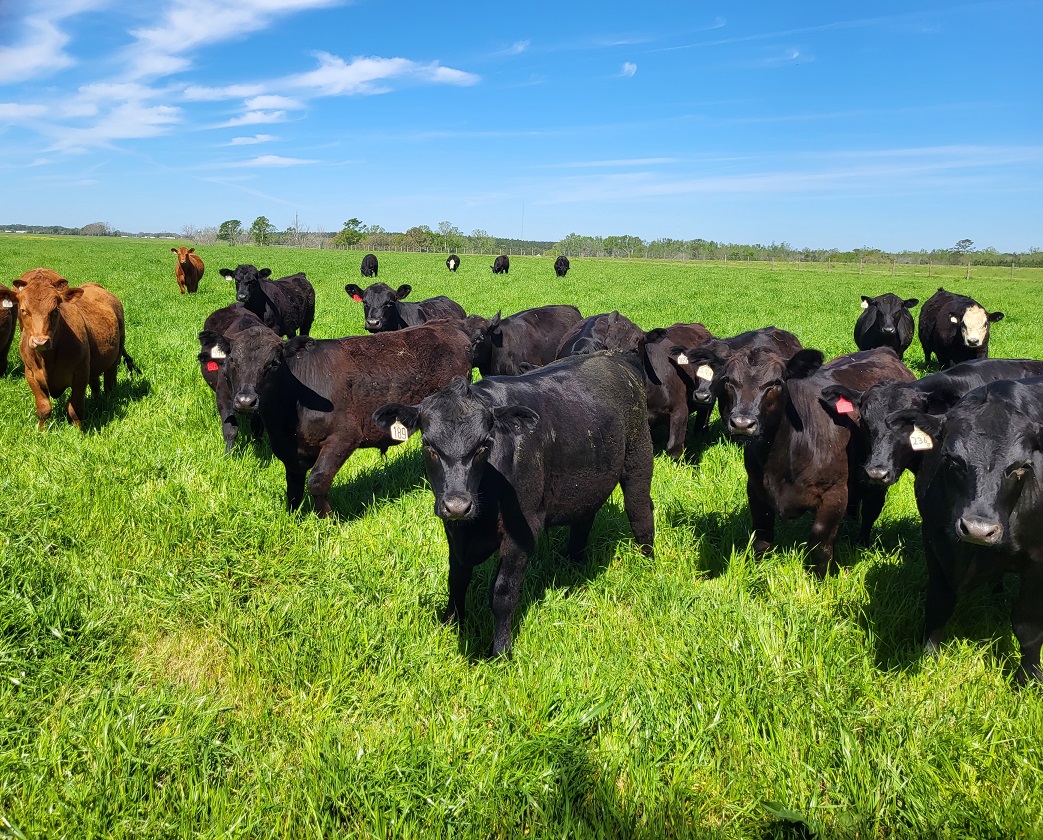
379	294
975	318
988	434
453	424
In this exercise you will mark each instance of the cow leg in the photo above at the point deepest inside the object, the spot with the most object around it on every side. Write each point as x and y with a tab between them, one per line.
678	431
109	380
76	401
636	484
763	517
579	533
941	599
506	592
469	546
42	398
828	516
331	459
1027	620
294	489
872	504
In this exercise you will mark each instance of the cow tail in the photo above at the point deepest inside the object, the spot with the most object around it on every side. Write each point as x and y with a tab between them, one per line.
131	367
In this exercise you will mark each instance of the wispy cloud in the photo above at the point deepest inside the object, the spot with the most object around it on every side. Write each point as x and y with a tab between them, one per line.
517	48
337	77
15	111
609	163
124	122
250	141
270	161
41	52
255	118
629	69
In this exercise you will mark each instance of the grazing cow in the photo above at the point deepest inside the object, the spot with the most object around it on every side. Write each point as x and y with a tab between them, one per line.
669	386
955	328
501	265
893	445
519	342
802	453
511	456
286	305
228	321
71	337
452	262
608	331
317	397
736	371
561	266
189	269
384	310
885	322
369	265
8	317
980	495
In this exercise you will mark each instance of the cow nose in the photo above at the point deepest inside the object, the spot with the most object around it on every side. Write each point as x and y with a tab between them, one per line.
456	507
742	424
39	342
973	342
888	330
245	402
372	323
880	475
981	531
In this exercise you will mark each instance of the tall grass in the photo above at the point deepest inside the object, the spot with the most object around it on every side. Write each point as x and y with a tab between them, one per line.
179	656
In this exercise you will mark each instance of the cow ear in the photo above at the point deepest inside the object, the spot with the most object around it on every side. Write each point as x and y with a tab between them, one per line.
354	290
865	302
191	250
656	335
803	364
264	273
995	316
71	293
842	401
174	250
515	419
931	424
226	272
388	415
941	399
910	303
494	322
403	291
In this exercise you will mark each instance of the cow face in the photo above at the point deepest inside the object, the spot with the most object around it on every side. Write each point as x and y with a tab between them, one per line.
705	365
974	325
39	309
247	281
380	304
459	432
886	312
483	333
754	390
182	254
254	361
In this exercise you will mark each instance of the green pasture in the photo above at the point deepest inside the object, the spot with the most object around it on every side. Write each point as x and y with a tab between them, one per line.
179	656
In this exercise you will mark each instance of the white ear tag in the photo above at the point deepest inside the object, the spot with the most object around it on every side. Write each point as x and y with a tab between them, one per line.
217	353
399	431
8	304
705	373
919	440
953	319
682	359
865	304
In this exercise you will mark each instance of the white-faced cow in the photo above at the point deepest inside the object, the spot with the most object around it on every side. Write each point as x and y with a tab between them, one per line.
980	495
317	397
452	262
511	456
286	305
501	265
527	339
8	319
955	328
369	265
561	266
384	309
885	322
189	269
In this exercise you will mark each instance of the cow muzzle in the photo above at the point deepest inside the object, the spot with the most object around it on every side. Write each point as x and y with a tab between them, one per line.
979	531
40	342
743	425
245	402
880	476
455	507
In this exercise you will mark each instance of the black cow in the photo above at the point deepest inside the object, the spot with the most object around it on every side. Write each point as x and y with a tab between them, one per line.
369	265
737	370
317	397
228	322
608	331
286	305
8	319
519	342
511	456
501	265
452	262
669	387
955	328
894	445
980	495
802	453
561	266
384	310
885	322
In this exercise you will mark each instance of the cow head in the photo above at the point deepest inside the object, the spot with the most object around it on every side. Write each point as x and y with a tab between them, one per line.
988	450
182	254
40	299
484	333
974	324
254	361
247	281
8	304
379	304
886	312
704	365
459	431
452	262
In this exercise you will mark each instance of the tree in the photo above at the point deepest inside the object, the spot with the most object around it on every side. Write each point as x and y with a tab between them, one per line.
350	236
96	229
451	237
261	231
230	231
419	238
482	242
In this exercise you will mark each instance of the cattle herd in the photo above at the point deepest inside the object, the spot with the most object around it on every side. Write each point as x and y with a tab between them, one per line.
564	408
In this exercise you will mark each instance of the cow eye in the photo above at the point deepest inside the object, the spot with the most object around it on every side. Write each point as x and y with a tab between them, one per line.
774	386
431	454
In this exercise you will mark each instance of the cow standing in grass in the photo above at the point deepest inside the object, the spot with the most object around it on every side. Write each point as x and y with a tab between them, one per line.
561	266
369	265
385	309
189	269
955	328
452	262
501	265
8	319
286	305
885	322
527	339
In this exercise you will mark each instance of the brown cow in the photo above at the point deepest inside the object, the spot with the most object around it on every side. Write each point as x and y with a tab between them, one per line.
8	316
71	337
189	269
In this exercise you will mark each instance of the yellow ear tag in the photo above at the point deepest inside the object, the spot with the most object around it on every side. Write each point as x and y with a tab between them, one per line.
705	372
919	440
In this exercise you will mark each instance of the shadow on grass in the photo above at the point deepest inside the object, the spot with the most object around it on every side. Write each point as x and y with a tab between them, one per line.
696	440
102	409
385	481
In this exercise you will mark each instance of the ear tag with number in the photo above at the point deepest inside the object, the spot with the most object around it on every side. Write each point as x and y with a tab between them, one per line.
399	431
865	304
356	298
8	304
845	406
682	359
705	373
919	440
217	353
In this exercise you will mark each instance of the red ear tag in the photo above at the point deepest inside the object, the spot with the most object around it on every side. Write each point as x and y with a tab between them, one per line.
211	366
356	297
844	406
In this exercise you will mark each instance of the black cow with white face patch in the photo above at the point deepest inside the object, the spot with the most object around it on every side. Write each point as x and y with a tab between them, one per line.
669	386
501	265
737	373
511	456
286	305
955	328
452	262
885	322
561	266
317	397
369	265
385	309
895	445
527	339
980	495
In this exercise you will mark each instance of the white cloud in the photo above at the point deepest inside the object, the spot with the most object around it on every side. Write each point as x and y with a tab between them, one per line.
125	122
256	118
250	141
197	93
272	160
40	53
336	77
15	111
629	69
270	103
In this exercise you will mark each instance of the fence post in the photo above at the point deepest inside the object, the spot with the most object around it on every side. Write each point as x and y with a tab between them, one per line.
968	269
859	266
1012	270
929	266
893	267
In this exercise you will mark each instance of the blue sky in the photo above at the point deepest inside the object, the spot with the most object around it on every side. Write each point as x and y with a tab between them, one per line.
892	125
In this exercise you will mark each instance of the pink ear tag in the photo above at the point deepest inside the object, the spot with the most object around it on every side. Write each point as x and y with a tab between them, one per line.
211	366
356	297
844	406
